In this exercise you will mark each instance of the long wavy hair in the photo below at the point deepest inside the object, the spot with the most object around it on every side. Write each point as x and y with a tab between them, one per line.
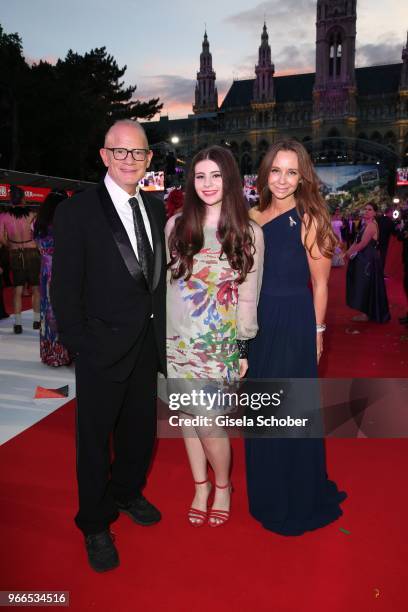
234	231
46	213
308	198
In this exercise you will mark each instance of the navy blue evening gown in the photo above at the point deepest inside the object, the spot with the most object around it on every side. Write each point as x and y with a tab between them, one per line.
288	488
365	289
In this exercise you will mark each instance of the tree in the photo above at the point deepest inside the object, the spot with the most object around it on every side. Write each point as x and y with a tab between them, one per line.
93	97
64	110
13	70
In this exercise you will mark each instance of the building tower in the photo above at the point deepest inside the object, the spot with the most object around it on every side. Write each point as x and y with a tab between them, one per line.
404	69
335	85
206	95
264	70
402	121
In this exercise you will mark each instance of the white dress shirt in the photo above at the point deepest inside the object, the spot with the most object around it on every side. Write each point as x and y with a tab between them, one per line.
120	199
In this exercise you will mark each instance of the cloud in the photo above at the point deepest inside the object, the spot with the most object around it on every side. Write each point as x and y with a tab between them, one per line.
289	59
296	58
379	53
176	92
168	87
292	20
246	68
274	11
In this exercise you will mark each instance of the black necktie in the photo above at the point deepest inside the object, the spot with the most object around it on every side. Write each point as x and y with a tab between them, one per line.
144	250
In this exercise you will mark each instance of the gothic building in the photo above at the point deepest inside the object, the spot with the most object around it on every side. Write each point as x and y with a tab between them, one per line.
341	113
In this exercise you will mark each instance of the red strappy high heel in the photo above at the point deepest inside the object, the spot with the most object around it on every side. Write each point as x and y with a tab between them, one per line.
219	517
197	518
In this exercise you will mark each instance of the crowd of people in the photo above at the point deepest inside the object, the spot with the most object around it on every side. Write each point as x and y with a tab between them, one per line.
26	237
362	244
210	292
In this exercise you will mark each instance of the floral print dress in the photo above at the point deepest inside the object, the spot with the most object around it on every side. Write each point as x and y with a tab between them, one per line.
207	313
52	352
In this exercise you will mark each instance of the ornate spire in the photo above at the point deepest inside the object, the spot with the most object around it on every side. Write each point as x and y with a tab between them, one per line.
206	95
264	36
264	70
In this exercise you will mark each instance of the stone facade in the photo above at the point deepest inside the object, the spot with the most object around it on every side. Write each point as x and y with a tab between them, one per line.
341	113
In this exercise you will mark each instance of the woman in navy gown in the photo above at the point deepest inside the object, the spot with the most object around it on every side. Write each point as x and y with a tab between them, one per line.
288	488
365	290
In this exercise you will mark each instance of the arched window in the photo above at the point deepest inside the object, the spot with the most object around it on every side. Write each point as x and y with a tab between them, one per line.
331	57
234	150
338	58
263	146
333	133
246	164
390	140
335	53
246	147
376	137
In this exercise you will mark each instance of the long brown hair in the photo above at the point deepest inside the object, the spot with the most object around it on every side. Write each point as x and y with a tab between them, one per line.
308	198
234	231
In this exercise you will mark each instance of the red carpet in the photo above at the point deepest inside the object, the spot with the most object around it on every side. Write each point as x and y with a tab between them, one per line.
242	567
173	566
377	350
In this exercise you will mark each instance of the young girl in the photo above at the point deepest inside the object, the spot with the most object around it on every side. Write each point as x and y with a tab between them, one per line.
215	270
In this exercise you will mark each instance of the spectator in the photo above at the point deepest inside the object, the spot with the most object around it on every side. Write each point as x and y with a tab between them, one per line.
386	226
365	276
16	234
402	234
52	352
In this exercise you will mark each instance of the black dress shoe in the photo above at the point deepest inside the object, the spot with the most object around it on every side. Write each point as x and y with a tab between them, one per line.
18	329
36	325
140	511
102	553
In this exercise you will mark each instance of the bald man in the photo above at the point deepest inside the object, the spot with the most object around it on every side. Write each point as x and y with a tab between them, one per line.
108	293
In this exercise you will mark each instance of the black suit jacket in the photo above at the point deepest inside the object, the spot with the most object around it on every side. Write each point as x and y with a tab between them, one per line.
99	295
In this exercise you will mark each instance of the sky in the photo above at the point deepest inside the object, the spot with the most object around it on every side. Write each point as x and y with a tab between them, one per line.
160	42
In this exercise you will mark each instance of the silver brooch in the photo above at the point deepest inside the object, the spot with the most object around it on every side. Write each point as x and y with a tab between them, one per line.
292	222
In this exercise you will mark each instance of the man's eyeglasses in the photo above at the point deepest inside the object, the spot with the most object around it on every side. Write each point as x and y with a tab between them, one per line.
121	154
